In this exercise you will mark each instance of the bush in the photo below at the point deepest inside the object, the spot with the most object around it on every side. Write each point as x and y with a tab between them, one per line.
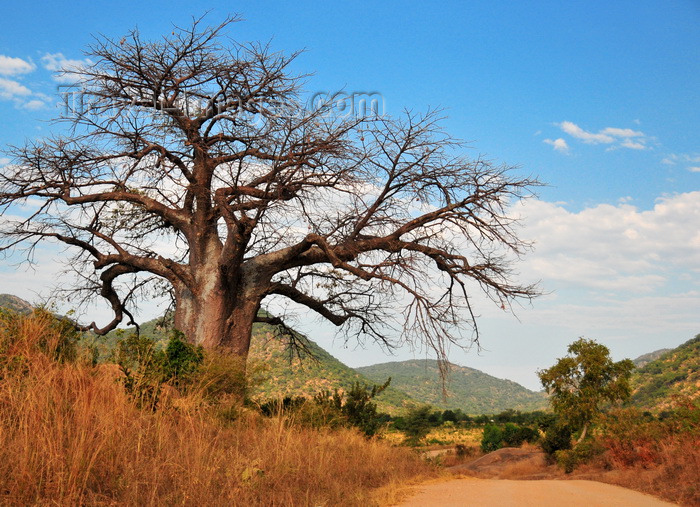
556	438
181	360
146	368
353	408
416	424
569	459
42	331
515	436
359	409
492	439
70	435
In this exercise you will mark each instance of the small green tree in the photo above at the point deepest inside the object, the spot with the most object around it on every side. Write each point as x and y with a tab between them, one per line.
359	408
581	382
417	424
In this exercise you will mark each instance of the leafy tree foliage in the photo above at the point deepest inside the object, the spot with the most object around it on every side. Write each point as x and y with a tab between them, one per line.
416	424
359	408
510	435
557	437
581	382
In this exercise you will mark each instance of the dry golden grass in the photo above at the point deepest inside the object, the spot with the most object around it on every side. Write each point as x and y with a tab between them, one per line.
454	436
69	435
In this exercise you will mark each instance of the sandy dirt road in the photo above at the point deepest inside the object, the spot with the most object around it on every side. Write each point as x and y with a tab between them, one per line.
505	493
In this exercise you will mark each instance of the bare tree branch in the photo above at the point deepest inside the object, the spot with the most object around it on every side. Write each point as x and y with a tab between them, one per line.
196	166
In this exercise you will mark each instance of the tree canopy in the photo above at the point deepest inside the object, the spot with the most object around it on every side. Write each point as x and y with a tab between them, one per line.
194	168
582	381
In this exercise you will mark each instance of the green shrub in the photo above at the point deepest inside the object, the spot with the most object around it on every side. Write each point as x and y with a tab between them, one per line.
416	424
146	368
512	435
515	436
556	438
359	409
333	409
181	360
492	439
569	459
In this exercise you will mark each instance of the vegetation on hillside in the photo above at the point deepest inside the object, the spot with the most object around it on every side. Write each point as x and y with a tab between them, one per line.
659	455
676	372
168	424
306	373
647	358
656	453
468	389
279	370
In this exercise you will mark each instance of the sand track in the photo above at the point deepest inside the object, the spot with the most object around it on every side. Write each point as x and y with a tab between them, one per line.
504	493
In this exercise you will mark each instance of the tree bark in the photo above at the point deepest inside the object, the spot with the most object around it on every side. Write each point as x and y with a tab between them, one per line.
219	311
583	434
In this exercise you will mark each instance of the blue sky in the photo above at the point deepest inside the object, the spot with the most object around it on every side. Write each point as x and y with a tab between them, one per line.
598	99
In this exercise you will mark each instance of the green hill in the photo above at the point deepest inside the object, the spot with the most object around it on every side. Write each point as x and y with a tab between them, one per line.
676	372
468	389
285	374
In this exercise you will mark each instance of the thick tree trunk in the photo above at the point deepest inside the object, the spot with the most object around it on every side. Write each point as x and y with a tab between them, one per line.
217	314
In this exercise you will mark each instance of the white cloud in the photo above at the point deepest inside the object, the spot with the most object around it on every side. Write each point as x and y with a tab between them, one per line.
10	66
613	136
683	158
559	144
10	89
4	161
587	137
64	68
615	247
34	105
616	132
633	145
671	159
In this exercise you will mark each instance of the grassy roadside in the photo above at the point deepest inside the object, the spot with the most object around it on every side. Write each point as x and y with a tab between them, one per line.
70	435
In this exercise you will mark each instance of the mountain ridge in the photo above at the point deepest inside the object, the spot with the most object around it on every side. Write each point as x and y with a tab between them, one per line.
15	303
469	389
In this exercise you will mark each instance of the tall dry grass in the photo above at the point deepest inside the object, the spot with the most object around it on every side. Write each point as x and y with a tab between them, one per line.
69	435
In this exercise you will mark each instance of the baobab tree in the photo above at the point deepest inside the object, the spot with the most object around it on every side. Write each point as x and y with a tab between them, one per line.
193	166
